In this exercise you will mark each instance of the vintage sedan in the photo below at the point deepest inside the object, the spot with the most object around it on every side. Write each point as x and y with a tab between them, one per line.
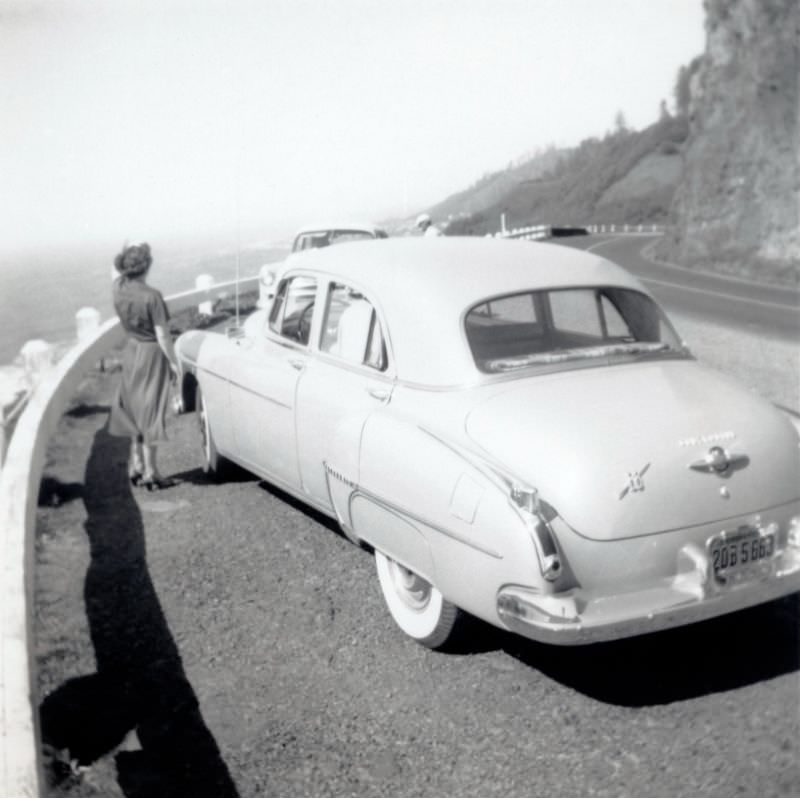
313	236
518	433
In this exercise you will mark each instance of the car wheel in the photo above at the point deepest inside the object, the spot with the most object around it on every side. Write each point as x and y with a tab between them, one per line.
417	607
213	462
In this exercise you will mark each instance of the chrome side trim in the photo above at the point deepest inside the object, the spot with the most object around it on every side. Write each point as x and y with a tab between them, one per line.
529	373
494	471
404	512
259	395
338	475
211	373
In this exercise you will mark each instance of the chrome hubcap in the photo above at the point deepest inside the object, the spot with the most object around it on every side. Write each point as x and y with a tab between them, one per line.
411	588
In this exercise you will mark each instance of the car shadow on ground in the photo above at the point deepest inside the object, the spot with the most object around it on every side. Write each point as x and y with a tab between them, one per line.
721	654
301	507
233	474
140	683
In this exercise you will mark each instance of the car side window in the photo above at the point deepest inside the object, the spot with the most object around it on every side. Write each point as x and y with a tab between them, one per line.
351	329
293	308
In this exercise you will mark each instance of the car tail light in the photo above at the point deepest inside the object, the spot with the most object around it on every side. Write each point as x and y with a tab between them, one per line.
549	560
527	499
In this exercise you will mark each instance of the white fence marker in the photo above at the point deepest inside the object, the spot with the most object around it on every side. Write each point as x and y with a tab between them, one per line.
87	322
37	357
204	281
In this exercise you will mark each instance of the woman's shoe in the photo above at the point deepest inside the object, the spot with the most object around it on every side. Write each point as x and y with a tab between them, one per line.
136	478
159	483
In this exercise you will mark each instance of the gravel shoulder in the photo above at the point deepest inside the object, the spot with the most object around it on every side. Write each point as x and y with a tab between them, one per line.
247	641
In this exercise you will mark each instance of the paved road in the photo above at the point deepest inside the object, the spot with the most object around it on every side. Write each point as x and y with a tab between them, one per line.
768	310
237	597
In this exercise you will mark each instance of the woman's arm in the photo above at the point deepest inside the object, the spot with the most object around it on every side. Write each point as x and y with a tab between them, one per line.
165	342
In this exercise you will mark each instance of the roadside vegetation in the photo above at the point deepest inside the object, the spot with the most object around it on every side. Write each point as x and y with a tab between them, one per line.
627	176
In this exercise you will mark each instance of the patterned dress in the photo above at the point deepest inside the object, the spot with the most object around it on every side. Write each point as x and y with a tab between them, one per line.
140	406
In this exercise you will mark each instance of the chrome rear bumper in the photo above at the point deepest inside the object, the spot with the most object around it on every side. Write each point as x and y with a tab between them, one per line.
577	617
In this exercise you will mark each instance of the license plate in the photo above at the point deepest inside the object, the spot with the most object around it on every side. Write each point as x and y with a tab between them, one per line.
733	553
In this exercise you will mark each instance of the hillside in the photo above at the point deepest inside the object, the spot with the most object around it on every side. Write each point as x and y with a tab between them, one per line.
627	176
738	206
723	172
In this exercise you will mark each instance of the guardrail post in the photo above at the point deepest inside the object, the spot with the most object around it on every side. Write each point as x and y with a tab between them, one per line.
204	281
37	357
87	322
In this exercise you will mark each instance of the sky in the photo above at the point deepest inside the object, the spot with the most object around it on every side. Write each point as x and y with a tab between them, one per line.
242	120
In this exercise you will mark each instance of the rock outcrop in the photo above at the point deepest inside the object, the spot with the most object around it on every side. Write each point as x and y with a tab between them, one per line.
737	208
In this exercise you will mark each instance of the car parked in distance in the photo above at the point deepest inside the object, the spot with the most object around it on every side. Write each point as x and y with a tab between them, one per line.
314	237
516	431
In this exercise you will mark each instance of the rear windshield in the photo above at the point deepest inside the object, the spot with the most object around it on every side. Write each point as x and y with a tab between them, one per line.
561	325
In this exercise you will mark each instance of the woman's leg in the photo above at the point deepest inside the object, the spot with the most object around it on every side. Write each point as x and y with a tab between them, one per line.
152	479
136	461
150	467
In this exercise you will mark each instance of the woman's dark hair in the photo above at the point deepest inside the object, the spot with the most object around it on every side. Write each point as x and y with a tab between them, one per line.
134	260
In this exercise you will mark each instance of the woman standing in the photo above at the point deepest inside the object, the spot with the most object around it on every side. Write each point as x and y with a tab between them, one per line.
149	365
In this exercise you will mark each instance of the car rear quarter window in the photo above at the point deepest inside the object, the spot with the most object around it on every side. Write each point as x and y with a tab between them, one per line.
351	329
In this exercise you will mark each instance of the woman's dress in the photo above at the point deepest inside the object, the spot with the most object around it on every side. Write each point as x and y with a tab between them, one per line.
140	406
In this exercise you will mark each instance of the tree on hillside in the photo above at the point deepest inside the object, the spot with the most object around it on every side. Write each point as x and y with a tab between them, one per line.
683	86
620	123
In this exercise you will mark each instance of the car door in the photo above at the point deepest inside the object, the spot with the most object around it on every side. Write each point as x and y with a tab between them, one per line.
263	390
349	377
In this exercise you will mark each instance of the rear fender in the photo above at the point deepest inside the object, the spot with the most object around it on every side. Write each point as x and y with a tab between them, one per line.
415	486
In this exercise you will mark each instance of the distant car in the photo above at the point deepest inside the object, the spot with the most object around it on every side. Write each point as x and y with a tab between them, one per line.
314	237
517	432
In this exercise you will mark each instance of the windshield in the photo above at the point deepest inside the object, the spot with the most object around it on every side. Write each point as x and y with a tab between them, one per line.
324	238
562	325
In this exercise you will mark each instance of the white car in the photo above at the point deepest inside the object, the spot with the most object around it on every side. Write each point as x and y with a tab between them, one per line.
516	431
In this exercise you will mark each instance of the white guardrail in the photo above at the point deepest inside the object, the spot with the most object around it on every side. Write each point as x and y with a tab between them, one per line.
546	230
537	232
21	474
528	233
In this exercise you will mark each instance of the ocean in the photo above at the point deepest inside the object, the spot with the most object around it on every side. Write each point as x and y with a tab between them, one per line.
40	292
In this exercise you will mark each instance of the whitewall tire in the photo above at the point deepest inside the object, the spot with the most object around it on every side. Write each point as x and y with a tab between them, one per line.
416	606
213	463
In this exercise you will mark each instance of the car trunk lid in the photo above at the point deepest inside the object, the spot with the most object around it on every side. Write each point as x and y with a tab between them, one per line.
627	450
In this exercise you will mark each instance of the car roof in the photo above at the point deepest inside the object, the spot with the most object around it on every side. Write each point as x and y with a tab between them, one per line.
366	227
424	286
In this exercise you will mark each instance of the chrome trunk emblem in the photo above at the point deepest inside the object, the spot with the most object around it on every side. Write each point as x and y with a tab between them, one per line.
720	461
635	482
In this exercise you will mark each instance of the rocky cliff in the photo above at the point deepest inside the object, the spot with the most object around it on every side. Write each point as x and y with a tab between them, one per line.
737	208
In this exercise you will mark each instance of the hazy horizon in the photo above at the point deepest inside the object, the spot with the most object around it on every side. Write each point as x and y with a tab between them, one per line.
243	120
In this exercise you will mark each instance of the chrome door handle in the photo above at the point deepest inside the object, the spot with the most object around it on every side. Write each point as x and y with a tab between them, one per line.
381	394
297	364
